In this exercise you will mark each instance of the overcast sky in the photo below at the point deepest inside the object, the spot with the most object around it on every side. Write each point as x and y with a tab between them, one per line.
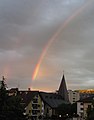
27	26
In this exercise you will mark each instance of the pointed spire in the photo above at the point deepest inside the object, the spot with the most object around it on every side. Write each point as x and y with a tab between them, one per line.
63	89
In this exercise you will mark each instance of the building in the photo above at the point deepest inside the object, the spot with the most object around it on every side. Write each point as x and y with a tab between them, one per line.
13	91
73	96
42	104
83	105
32	104
52	101
63	90
86	93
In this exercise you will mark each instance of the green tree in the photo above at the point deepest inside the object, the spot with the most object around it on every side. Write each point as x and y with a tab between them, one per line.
64	109
73	110
10	106
3	97
90	112
67	109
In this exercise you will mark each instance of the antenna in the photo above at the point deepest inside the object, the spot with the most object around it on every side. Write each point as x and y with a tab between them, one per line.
18	84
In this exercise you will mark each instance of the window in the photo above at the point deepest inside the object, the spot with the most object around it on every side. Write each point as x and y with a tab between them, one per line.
81	104
81	108
50	97
35	106
35	100
47	110
36	97
34	112
89	106
38	105
29	111
38	111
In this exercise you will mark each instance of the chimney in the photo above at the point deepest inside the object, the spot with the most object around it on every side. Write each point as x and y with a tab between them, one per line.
29	89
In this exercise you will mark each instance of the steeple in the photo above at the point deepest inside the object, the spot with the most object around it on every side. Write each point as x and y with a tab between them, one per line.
63	89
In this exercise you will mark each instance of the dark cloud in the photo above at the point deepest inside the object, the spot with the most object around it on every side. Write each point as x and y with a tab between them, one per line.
25	29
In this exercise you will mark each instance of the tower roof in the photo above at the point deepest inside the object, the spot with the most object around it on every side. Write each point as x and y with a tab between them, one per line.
63	89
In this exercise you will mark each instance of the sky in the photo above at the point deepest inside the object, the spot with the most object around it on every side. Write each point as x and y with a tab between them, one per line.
42	39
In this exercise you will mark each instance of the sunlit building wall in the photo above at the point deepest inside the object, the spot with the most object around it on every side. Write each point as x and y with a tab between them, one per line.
73	96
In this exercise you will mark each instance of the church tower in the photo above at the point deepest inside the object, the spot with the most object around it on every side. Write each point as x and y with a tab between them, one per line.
63	89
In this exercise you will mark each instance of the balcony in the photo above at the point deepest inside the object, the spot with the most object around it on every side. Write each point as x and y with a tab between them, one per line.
35	101
35	112
35	107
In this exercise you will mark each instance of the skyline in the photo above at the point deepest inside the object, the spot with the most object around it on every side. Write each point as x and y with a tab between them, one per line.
41	39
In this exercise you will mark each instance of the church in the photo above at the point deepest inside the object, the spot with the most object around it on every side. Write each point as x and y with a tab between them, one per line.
53	100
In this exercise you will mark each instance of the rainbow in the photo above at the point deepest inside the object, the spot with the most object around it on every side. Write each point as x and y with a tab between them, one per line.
53	38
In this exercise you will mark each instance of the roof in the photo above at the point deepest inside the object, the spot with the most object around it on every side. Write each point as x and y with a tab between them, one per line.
27	96
13	90
52	99
63	90
87	100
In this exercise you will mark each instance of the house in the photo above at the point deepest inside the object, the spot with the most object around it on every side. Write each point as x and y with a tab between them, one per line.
13	91
83	105
73	96
32	104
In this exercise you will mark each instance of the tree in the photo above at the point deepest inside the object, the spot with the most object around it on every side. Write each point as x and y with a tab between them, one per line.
90	112
68	110
73	110
3	97
64	109
10	106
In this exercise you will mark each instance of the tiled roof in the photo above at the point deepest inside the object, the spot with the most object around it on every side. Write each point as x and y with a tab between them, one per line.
52	99
27	96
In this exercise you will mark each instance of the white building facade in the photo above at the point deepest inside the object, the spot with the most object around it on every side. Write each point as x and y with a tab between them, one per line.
73	96
80	109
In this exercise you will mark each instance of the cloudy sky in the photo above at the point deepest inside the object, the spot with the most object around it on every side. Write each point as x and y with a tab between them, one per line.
39	39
